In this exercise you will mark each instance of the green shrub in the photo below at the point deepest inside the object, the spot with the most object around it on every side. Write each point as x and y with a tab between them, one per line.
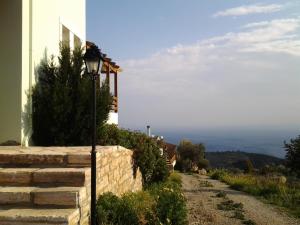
190	156
238	214
184	165
249	166
144	207
221	194
217	174
171	207
228	205
274	170
175	178
205	183
146	151
171	204
293	155
114	210
160	204
203	164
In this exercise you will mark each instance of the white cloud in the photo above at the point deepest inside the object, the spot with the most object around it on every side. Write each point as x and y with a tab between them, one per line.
249	9
249	77
270	35
277	22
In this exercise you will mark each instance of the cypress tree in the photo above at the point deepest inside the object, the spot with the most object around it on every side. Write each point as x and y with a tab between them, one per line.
293	155
62	102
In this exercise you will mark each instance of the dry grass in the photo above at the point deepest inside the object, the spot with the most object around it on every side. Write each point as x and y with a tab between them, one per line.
270	190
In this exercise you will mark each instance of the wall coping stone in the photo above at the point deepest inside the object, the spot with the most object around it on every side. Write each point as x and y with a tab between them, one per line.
58	150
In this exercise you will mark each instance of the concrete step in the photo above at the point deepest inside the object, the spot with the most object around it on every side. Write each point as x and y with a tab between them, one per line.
47	177
60	197
39	216
40	157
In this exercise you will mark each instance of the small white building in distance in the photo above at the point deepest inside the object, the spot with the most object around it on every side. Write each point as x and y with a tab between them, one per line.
31	30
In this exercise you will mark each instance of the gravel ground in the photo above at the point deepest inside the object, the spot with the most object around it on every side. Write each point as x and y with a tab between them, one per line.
202	203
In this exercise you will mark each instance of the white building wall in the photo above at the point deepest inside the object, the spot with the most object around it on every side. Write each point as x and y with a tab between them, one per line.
113	118
27	68
32	29
10	69
47	18
174	163
42	34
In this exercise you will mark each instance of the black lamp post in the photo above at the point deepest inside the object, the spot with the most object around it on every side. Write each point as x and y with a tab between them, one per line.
93	62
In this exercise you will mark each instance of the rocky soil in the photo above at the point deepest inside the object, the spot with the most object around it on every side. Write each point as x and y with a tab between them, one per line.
211	202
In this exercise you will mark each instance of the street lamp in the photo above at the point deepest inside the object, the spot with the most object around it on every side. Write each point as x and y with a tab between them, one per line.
93	62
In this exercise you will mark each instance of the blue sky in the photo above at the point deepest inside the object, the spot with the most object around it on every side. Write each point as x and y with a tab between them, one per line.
209	64
135	28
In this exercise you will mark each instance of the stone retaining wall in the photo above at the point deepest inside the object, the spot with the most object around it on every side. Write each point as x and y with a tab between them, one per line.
115	171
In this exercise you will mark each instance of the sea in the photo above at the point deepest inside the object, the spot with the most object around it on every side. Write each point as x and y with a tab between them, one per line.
269	142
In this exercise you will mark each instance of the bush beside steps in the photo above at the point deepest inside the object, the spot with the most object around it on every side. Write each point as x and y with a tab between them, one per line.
161	203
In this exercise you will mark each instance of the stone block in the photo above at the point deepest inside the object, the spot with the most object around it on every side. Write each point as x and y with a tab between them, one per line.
15	195
32	159
38	216
60	177
85	209
16	176
80	159
60	196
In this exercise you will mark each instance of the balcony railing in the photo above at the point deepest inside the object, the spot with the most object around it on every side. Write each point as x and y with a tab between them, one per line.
114	106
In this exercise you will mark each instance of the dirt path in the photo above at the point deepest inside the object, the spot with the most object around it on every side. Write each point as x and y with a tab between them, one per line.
201	192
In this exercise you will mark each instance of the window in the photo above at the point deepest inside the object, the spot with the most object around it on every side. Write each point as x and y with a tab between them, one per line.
65	36
77	42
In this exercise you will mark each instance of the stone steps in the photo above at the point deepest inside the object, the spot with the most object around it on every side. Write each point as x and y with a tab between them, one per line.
59	197
44	196
20	216
44	187
51	185
50	177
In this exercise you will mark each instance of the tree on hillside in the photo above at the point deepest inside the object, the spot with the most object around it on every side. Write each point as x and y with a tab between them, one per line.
62	103
249	166
293	155
191	155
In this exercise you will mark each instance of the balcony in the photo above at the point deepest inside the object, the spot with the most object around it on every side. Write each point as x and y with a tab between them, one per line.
114	106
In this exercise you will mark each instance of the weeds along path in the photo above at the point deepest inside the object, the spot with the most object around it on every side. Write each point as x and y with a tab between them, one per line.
211	202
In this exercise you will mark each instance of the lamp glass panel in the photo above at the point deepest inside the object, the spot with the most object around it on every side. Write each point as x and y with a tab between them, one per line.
92	66
100	65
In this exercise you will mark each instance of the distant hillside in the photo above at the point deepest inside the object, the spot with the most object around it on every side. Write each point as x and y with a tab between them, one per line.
236	159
